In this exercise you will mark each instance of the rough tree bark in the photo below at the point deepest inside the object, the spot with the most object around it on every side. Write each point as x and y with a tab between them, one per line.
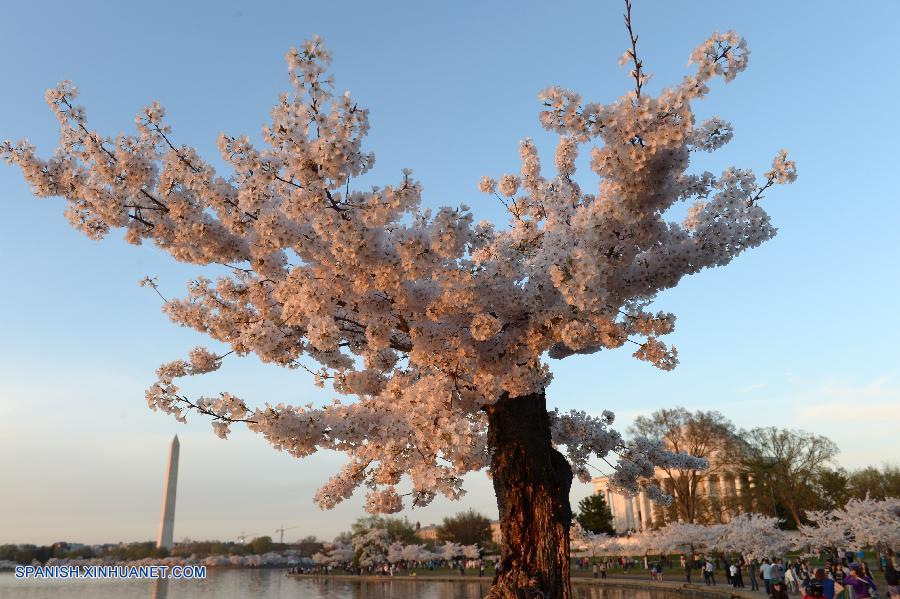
532	482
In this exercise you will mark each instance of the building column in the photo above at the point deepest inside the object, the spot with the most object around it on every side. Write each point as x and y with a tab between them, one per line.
642	516
647	511
629	513
739	492
751	485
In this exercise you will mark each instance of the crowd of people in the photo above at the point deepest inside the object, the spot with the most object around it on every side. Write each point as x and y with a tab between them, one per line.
843	576
465	567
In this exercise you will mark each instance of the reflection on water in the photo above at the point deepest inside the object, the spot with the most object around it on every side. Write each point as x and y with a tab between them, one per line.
273	584
593	592
160	589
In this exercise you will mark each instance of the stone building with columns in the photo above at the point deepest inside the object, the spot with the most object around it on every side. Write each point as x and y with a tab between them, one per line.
724	495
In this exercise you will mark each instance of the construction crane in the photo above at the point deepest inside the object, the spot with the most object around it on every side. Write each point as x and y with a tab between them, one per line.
242	538
281	530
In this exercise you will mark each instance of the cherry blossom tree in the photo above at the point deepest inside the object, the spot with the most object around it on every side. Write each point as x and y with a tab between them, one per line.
874	523
861	523
371	547
752	535
827	530
333	554
434	329
414	553
680	537
596	544
450	551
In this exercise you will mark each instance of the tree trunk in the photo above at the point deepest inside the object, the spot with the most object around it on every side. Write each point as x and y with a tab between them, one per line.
532	482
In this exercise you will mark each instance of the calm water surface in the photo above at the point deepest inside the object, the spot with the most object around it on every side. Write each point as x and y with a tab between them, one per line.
269	584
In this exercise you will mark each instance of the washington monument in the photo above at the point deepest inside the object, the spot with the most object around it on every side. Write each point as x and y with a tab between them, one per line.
167	518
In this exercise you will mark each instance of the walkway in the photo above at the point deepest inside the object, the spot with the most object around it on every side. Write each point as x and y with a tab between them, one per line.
701	590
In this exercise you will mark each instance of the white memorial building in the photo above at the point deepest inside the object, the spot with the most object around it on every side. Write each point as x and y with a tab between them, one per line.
725	494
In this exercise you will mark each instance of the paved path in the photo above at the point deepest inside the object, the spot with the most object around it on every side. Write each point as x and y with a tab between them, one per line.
719	591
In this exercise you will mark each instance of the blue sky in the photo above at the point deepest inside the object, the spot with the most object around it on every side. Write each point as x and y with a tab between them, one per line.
800	333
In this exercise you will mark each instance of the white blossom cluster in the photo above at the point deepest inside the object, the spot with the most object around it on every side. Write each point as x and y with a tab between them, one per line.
418	318
860	523
371	547
638	462
374	547
751	535
334	554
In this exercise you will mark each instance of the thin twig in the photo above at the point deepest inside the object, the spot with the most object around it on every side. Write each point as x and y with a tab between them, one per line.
637	73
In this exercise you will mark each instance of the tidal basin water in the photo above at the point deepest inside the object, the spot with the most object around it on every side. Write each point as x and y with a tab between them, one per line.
273	584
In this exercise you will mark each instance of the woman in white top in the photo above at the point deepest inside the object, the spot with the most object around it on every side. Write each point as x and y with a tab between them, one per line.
791	581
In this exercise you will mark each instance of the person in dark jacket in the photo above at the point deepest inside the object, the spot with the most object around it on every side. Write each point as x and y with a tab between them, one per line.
754	573
892	575
778	590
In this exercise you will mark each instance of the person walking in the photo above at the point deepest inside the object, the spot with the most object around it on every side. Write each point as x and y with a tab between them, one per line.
861	584
767	575
892	574
777	572
791	582
687	571
602	570
753	572
710	571
596	571
733	574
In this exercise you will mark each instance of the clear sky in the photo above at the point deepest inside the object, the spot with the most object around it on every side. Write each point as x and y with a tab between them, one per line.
800	333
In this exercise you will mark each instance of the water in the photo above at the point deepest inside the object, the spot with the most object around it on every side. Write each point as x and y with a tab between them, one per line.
272	584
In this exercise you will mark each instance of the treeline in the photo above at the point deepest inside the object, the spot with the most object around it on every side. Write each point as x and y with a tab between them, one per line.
784	473
464	528
26	554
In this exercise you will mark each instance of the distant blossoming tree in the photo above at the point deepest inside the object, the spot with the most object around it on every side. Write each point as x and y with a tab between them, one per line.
859	524
434	327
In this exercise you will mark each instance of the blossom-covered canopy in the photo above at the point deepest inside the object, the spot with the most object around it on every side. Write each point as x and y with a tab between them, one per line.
419	317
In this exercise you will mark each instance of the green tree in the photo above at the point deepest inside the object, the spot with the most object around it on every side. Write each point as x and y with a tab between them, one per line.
261	545
308	546
466	528
788	466
594	515
834	488
875	483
